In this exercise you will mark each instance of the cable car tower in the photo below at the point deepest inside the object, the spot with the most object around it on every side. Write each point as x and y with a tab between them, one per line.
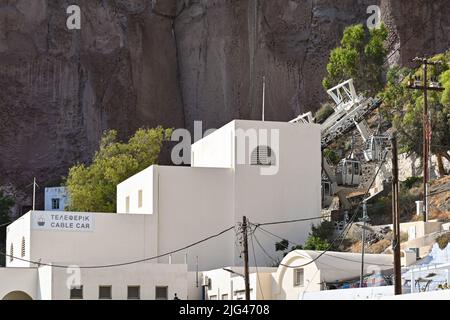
350	112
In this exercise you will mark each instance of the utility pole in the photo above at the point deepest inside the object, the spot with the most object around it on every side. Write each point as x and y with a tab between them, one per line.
246	272
364	219
396	218
418	85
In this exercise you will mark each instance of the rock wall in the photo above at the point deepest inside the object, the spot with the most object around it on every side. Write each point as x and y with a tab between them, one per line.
166	62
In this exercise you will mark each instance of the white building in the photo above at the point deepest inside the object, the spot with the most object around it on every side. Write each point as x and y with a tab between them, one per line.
292	279
228	283
227	180
301	272
267	171
67	239
56	199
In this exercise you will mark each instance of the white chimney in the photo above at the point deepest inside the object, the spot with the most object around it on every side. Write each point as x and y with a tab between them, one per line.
419	208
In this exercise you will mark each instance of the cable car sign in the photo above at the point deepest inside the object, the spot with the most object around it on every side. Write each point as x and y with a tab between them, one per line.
62	221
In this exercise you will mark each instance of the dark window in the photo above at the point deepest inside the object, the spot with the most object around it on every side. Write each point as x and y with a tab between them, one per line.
55	204
76	292
161	293
134	292
299	277
104	292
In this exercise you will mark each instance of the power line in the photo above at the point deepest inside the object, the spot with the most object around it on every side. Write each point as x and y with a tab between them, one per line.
256	266
277	262
305	256
200	241
290	221
346	228
124	263
328	253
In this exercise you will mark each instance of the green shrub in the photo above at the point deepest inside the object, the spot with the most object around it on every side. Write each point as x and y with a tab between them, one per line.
411	182
316	243
331	156
323	113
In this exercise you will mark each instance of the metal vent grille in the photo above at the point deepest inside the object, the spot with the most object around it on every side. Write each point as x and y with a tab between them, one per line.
262	156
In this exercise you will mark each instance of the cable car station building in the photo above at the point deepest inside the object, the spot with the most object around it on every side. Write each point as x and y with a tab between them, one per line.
267	171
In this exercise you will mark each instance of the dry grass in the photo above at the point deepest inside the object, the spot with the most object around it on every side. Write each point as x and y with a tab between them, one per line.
439	215
379	246
443	240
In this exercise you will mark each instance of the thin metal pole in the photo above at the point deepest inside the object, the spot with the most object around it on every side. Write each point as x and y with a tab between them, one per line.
34	194
196	271
246	271
425	141
264	98
396	218
363	243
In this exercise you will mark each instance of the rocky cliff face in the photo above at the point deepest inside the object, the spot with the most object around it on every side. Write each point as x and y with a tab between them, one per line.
166	62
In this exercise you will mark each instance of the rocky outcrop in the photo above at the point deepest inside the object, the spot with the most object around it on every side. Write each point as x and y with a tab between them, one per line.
61	89
169	62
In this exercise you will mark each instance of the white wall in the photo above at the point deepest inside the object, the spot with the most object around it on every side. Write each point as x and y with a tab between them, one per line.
194	290
18	279
215	150
192	203
294	192
185	205
130	188
283	280
145	275
45	283
14	234
233	285
114	239
195	203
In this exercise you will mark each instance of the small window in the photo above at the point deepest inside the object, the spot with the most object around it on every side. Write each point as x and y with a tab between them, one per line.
127	204
11	253
161	293
262	156
104	292
214	297
140	199
55	204
76	292
299	277
134	292
23	247
225	297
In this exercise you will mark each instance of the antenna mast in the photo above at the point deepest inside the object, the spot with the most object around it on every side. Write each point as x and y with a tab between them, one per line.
264	97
